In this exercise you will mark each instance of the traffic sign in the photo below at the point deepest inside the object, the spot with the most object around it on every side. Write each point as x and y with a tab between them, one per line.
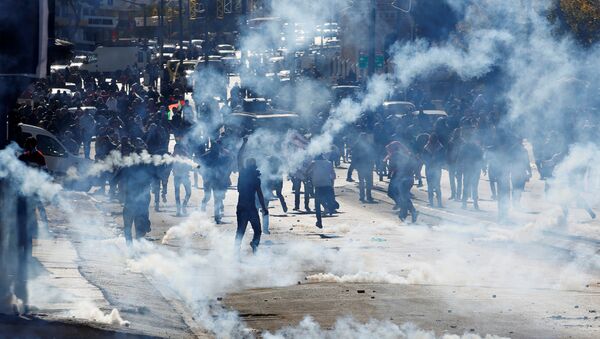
379	61
363	61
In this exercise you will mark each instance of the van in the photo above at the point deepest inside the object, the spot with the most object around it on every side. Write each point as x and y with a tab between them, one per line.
58	159
109	59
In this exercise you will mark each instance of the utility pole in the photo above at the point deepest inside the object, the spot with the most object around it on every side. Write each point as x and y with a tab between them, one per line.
161	24
51	29
372	24
243	29
181	55
145	17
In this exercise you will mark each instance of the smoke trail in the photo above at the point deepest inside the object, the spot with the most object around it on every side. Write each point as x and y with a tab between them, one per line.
115	160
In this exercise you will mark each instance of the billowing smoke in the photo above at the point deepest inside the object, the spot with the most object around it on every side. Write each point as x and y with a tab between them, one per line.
36	185
348	328
545	81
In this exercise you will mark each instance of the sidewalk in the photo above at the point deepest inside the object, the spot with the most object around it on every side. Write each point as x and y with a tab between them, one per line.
85	278
32	327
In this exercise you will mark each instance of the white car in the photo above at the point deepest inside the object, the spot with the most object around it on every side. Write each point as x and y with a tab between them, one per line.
77	62
226	50
58	67
60	162
197	43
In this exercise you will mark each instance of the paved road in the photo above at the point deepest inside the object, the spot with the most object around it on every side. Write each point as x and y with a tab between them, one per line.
454	271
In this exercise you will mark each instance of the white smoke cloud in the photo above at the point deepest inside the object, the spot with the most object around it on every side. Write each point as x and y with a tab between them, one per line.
349	328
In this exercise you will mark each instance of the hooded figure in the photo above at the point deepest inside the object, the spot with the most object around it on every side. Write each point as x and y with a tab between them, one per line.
249	187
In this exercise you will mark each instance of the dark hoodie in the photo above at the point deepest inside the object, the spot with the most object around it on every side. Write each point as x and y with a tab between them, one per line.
248	185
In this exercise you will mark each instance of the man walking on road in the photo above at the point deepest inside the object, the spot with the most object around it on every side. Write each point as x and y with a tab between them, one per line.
363	159
135	182
470	158
322	176
181	177
248	189
402	164
434	155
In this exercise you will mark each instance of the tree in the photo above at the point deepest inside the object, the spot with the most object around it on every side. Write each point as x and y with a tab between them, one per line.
580	17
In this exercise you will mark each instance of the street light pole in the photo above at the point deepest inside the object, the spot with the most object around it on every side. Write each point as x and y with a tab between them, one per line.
161	23
372	23
181	56
244	26
145	17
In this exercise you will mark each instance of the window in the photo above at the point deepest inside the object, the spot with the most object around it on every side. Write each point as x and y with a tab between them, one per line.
50	147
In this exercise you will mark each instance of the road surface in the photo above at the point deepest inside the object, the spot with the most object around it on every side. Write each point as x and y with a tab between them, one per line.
454	271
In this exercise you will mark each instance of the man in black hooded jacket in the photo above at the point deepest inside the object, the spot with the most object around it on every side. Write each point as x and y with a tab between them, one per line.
248	189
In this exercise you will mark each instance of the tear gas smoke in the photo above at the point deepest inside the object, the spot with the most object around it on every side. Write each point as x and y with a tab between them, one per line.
29	181
36	184
115	160
198	277
348	328
534	65
93	313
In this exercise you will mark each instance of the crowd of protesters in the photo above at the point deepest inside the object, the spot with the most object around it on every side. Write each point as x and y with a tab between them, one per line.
122	116
468	140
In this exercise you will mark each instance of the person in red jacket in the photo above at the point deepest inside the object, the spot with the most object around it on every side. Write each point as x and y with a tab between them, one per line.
32	156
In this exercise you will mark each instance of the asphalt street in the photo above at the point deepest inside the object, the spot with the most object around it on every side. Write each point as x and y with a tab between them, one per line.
454	271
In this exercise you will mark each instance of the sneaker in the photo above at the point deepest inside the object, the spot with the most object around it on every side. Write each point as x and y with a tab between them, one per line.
156	209
319	225
349	180
164	199
266	231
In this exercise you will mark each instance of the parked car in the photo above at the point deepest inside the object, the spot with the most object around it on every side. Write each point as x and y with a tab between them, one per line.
345	91
59	160
398	108
225	50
